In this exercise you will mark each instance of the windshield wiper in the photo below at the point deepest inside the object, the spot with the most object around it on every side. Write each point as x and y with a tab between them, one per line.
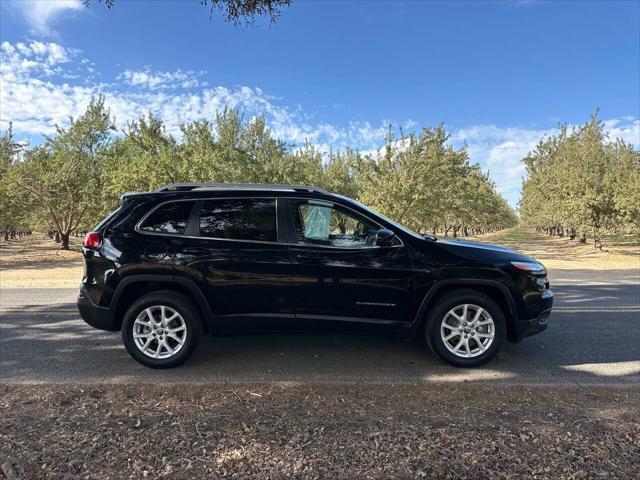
428	236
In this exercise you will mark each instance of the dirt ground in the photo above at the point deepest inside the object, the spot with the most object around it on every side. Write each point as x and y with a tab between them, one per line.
36	261
320	431
563	253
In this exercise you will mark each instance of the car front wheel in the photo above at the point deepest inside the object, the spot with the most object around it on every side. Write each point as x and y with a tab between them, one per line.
466	328
161	330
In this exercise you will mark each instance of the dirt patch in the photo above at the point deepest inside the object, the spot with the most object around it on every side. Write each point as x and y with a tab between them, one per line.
321	431
37	261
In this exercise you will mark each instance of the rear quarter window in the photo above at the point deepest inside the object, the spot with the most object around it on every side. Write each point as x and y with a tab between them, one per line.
170	218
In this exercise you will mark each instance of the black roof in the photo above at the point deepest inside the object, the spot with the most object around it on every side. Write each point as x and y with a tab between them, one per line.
203	188
258	187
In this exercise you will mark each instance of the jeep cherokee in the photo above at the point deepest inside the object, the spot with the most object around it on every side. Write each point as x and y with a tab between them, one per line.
188	259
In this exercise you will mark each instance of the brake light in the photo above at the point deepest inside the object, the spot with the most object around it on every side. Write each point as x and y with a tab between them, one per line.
92	240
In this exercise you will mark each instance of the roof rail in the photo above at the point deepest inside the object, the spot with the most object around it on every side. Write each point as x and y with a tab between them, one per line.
187	187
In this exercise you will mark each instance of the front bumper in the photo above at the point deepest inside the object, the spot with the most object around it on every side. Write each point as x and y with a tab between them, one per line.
97	317
527	327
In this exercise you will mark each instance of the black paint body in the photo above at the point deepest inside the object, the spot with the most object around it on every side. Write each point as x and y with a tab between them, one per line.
240	286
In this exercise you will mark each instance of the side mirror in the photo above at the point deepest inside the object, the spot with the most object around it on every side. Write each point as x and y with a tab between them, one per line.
384	237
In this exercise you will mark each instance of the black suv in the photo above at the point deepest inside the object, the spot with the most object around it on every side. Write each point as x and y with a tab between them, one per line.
188	259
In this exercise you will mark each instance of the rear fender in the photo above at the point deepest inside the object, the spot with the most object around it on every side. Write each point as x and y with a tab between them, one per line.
180	284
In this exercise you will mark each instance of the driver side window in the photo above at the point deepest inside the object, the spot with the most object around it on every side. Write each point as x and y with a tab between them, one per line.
324	223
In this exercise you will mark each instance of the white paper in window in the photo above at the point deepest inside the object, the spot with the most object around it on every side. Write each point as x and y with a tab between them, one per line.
317	222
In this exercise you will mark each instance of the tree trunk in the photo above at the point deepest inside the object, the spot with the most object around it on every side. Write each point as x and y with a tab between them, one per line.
597	243
65	241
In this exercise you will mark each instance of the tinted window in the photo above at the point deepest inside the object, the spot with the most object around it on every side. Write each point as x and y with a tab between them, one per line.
323	223
239	219
169	218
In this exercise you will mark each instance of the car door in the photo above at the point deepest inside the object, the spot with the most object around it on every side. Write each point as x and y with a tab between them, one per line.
232	249
340	275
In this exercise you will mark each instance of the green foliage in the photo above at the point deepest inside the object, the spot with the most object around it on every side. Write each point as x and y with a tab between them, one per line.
580	183
77	176
14	217
426	184
63	176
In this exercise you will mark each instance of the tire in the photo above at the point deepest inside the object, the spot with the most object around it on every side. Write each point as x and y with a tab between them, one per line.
161	338
483	339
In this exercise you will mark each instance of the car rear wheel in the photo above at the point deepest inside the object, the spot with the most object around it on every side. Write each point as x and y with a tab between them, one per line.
161	329
465	328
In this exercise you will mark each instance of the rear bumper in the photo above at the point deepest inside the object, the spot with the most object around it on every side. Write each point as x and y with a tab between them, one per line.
97	317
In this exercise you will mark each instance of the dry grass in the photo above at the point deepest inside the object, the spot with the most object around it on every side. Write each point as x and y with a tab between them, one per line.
320	431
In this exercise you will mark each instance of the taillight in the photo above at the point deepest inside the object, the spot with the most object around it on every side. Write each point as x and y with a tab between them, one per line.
92	240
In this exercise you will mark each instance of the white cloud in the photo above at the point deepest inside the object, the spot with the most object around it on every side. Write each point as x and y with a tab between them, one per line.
627	128
155	80
41	14
500	151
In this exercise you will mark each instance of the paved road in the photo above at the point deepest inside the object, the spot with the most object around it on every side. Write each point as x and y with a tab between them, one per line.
593	338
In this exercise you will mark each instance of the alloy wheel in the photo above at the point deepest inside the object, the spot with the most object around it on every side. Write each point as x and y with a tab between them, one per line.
467	330
159	331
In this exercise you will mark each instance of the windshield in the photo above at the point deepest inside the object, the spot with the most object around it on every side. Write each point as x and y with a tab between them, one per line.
392	222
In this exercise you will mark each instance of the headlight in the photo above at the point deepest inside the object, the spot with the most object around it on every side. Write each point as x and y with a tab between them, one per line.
533	267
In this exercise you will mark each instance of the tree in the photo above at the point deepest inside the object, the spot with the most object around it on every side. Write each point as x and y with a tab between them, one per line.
623	178
237	12
426	184
78	175
580	183
145	158
14	211
62	175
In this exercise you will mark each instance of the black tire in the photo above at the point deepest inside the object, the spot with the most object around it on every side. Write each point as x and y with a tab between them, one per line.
180	304
438	313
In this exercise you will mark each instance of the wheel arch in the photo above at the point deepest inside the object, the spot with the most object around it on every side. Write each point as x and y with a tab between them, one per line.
132	287
493	289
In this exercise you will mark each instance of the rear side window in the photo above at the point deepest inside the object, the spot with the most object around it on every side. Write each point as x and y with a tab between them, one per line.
239	219
168	218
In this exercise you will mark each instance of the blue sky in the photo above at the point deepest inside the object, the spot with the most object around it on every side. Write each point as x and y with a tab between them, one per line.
499	74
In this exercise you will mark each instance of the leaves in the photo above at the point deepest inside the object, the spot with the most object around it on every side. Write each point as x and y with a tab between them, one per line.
579	182
78	175
424	183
